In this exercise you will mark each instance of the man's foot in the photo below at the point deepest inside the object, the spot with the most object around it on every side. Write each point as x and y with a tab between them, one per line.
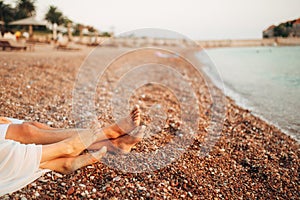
122	144
124	125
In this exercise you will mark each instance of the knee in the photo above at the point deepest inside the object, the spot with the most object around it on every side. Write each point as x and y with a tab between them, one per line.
24	133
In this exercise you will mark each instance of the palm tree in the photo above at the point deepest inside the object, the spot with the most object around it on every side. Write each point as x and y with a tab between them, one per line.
25	8
54	16
68	24
6	15
6	12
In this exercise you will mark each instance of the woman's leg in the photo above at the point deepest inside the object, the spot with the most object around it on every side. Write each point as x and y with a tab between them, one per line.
74	145
70	164
67	165
40	125
28	133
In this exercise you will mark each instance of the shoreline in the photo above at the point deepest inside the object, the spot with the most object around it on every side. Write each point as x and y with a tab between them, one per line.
252	159
181	42
242	101
187	42
250	42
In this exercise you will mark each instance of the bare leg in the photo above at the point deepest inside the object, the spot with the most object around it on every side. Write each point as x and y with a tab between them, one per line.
72	146
28	133
121	144
75	144
67	165
70	164
40	125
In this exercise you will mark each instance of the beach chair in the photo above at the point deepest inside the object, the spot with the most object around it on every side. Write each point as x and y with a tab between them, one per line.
66	46
12	45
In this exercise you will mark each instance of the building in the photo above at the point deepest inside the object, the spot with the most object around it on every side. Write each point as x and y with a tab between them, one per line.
296	28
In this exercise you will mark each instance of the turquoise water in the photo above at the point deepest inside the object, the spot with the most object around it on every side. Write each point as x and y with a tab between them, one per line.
265	80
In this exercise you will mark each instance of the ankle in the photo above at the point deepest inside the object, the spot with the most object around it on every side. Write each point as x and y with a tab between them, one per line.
110	133
68	148
68	166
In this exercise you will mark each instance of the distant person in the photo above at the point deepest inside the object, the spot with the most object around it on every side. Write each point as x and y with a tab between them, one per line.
26	35
18	35
29	149
61	40
93	40
9	35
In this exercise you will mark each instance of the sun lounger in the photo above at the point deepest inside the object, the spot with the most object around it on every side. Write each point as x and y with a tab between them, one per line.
10	44
67	47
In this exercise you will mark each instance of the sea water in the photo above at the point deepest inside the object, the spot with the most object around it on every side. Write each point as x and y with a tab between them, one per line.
265	80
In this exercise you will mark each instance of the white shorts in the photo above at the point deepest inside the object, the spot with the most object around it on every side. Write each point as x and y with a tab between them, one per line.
19	163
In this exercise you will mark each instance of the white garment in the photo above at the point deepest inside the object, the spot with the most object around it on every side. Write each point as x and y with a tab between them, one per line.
19	163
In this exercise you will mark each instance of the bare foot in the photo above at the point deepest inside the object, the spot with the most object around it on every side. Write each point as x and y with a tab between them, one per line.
76	144
122	144
124	125
87	159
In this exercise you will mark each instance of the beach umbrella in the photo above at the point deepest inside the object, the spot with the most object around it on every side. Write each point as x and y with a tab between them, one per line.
30	21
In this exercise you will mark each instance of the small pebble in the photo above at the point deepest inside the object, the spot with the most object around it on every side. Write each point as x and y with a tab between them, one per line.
117	178
50	123
37	194
71	190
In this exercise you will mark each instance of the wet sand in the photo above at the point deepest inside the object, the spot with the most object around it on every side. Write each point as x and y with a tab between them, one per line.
251	159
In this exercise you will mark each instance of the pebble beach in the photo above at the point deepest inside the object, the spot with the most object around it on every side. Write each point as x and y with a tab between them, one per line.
250	160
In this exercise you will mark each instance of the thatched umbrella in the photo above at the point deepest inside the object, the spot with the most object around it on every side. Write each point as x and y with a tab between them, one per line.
30	21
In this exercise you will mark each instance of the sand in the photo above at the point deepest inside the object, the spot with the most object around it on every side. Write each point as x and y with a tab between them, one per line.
251	159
